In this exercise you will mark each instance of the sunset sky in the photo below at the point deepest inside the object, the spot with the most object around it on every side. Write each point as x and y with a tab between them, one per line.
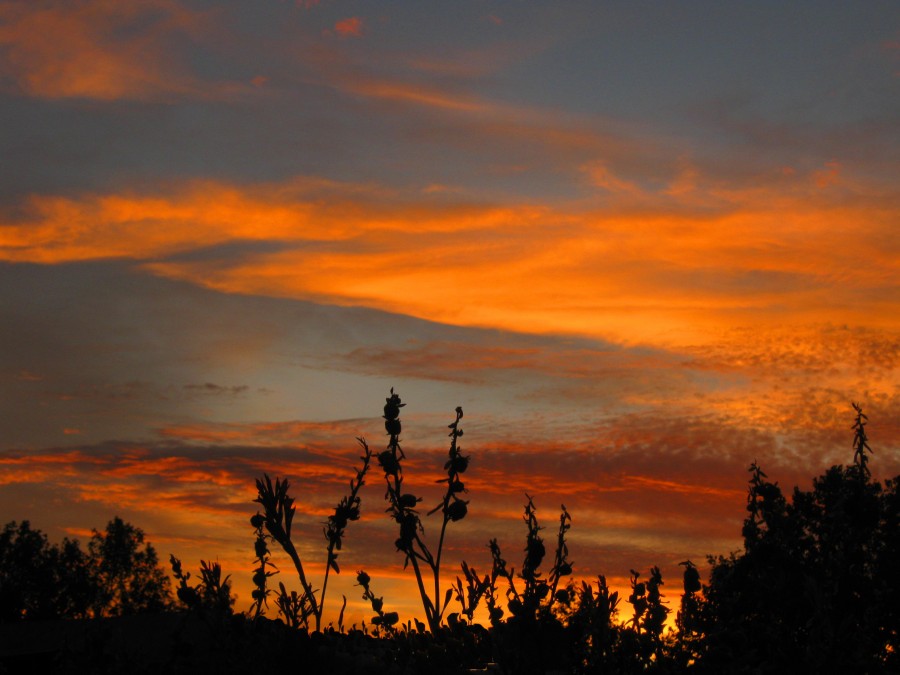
642	244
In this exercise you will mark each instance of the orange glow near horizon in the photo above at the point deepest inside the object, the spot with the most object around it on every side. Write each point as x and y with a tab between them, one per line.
200	498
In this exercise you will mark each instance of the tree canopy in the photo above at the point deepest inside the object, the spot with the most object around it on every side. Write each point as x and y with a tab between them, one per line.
815	589
119	574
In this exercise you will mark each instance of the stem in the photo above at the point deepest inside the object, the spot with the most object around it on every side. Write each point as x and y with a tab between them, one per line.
307	589
436	568
321	608
433	623
451	476
394	492
344	512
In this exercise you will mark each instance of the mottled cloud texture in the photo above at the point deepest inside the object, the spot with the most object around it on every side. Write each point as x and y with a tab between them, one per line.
637	256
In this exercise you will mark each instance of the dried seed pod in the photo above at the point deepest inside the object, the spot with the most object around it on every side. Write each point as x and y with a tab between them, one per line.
691	580
535	554
393	426
457	510
408	501
389	463
457	464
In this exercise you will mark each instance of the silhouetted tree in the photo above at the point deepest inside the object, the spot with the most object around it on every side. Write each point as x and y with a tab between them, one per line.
815	589
117	575
39	580
126	571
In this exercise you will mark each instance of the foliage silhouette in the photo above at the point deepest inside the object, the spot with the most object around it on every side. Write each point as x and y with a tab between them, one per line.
383	621
816	587
275	523
39	580
118	574
127	572
532	639
814	590
212	594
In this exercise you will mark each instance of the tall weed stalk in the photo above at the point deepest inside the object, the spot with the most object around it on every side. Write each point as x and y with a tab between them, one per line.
402	507
275	523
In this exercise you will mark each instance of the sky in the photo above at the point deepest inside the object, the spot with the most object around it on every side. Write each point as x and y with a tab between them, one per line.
641	244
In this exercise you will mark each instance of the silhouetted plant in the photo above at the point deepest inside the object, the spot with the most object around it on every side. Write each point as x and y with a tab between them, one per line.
261	572
591	622
645	644
498	570
474	590
383	621
688	636
295	608
277	518
402	507
213	593
650	611
532	640
539	594
861	442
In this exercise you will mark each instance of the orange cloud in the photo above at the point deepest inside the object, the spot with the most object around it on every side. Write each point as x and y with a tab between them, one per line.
273	434
416	94
349	27
829	175
631	273
601	176
100	50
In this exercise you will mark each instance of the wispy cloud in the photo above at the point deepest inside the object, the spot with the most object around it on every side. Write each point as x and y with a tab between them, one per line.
351	27
211	389
99	50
